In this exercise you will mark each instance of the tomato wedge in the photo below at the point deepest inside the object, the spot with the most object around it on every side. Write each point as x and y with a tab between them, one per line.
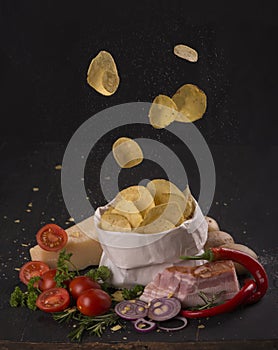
53	300
32	269
52	237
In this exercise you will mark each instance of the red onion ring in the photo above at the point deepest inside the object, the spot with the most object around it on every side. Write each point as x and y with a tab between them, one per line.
168	329
143	325
132	309
162	309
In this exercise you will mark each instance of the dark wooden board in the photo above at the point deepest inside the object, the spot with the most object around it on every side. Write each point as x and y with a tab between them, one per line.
241	345
45	53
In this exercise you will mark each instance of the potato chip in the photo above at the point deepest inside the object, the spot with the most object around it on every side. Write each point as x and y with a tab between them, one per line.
159	225
139	195
162	112
169	211
186	52
191	102
129	211
172	197
114	222
190	204
127	152
162	186
187	192
109	210
103	75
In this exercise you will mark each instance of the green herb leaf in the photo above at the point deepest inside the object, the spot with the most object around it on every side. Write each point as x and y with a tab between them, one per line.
31	300
17	298
93	325
209	302
65	316
63	274
103	273
32	284
132	293
100	274
32	293
20	298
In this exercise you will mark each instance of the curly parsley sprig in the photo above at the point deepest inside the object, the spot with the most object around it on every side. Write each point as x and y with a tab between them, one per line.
27	298
132	293
101	274
63	273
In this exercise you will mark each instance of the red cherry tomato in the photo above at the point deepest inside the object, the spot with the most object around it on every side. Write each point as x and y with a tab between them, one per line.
93	302
52	237
47	280
53	300
81	283
32	269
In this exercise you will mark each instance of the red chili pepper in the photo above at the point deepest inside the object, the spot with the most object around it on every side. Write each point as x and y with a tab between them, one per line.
251	264
246	291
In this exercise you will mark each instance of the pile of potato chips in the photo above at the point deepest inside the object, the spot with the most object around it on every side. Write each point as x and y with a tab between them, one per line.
158	207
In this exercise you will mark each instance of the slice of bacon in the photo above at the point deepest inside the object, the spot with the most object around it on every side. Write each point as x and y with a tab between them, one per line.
185	283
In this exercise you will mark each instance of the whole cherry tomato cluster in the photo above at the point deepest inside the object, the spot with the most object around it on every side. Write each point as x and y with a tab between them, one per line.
90	299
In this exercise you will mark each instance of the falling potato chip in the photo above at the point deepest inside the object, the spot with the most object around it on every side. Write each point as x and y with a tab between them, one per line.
127	152
162	112
114	222
186	52
129	211
159	225
139	195
103	75
162	186
169	211
191	102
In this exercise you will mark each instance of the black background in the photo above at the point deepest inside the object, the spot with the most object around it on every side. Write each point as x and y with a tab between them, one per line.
45	50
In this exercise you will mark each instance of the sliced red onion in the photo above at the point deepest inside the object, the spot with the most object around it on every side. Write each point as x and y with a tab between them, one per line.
142	325
162	309
168	329
131	309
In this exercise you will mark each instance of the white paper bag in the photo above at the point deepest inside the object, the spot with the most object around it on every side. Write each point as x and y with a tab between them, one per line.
126	278
128	250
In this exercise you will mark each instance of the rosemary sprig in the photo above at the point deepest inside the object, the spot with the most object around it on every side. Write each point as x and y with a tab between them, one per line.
92	325
65	316
209	302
